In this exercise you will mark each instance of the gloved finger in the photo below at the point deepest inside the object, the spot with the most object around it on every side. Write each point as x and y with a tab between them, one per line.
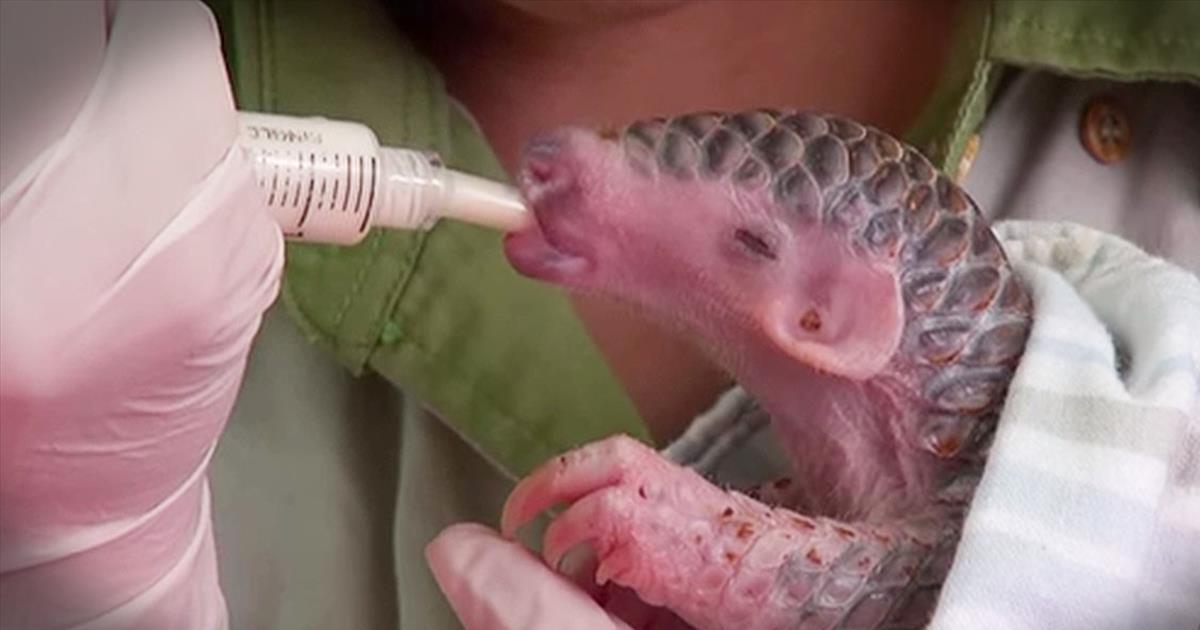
496	584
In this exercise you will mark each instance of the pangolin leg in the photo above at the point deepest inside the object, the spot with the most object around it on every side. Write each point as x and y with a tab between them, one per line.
720	559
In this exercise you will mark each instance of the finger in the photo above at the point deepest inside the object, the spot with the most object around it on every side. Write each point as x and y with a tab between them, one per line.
624	603
496	584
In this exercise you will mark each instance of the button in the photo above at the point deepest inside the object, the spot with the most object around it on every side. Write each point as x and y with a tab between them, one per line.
1104	130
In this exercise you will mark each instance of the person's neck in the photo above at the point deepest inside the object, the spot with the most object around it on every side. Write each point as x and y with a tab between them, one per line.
876	62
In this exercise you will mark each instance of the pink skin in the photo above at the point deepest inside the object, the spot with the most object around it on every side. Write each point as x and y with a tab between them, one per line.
819	333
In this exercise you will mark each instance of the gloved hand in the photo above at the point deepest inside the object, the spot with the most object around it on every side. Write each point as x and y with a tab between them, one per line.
496	584
136	260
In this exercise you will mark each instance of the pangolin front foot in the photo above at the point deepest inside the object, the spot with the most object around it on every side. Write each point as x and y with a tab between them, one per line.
721	560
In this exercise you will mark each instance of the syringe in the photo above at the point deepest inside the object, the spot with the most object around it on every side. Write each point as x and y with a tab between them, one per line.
329	181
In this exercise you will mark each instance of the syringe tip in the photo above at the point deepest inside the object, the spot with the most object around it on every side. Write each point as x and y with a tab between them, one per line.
483	202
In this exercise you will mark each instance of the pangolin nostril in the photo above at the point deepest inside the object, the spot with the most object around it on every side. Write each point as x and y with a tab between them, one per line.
542	158
540	171
547	170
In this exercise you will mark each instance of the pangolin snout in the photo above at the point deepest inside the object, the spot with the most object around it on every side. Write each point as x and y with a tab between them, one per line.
556	247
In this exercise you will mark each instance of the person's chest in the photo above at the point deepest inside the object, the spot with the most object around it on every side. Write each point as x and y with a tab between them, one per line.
1123	158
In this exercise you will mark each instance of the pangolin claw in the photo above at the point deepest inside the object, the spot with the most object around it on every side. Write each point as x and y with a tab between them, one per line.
717	558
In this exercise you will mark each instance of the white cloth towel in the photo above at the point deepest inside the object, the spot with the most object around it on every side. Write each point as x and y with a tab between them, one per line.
1088	512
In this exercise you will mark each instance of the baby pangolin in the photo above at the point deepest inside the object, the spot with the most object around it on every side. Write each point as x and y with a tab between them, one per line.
852	289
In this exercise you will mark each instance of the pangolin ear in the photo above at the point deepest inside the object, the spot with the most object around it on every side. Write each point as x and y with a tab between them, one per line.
846	318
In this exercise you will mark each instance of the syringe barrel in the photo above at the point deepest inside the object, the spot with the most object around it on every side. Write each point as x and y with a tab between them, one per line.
329	181
325	180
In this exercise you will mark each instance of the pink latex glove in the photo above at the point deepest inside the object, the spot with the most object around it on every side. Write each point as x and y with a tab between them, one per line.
496	584
136	260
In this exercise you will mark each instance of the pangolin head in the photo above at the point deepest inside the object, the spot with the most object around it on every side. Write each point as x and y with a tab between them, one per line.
795	233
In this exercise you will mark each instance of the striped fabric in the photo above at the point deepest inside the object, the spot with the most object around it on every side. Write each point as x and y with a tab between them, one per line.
1088	512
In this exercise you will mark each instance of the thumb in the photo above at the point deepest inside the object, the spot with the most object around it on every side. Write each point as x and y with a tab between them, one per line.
496	584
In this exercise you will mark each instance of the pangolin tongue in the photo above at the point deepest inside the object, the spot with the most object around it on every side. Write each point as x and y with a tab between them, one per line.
532	254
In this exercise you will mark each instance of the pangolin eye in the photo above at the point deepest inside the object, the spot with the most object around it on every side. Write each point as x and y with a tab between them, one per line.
755	243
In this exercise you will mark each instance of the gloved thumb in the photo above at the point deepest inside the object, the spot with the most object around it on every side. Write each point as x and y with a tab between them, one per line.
496	584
